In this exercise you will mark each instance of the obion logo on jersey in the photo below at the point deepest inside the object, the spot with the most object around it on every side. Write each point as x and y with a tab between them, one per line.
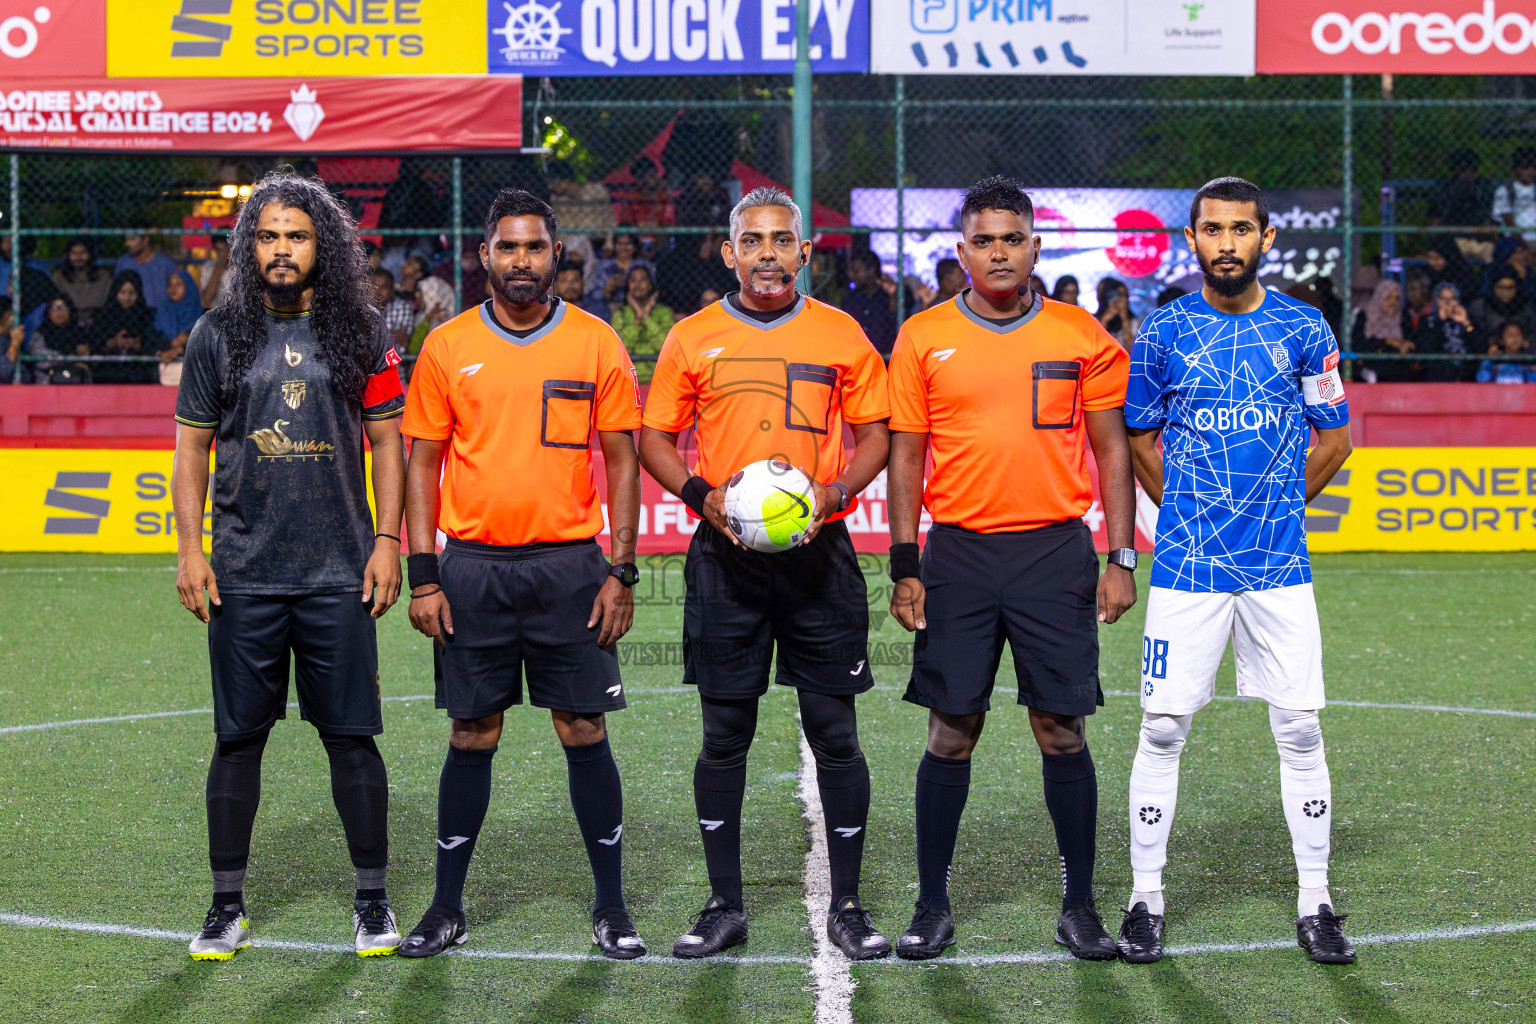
56	37
1373	36
1225	419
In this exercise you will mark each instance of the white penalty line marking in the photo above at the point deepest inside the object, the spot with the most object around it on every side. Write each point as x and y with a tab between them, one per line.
832	981
979	960
1368	704
664	690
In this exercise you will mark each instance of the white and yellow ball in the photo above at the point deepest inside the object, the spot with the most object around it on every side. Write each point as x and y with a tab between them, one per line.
769	505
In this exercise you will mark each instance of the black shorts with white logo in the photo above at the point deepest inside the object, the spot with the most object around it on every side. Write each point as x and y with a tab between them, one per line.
810	601
1036	589
524	609
335	658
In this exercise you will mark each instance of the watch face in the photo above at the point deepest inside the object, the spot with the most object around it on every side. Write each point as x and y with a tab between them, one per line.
628	574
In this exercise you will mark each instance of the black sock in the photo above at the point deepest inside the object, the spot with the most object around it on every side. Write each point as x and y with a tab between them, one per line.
598	800
232	796
943	784
845	805
717	794
364	895
463	797
224	899
1072	797
360	790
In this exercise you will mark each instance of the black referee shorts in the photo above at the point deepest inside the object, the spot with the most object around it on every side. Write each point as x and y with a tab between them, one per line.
335	658
524	609
1037	590
811	602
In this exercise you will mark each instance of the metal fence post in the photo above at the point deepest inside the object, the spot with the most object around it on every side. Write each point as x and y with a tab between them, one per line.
15	230
800	112
1346	328
901	173
458	234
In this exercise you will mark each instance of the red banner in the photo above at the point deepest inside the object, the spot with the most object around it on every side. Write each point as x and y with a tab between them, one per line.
1422	37
251	115
666	526
55	37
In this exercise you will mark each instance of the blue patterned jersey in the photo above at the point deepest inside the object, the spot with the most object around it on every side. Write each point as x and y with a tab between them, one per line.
1235	397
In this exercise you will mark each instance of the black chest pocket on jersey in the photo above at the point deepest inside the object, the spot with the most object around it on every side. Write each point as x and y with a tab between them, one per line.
1053	401
808	389
566	419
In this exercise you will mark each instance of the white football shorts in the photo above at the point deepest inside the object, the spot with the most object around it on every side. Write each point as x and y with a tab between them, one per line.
1275	635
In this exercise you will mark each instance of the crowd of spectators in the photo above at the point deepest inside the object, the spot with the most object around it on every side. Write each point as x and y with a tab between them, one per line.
643	252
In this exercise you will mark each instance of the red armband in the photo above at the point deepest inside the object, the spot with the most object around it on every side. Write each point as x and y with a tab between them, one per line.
385	385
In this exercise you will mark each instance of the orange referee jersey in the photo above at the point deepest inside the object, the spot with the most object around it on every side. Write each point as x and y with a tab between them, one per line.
519	414
1003	408
754	391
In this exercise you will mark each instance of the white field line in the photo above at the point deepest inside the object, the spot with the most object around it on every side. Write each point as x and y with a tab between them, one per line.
979	960
1369	704
831	981
666	690
36	570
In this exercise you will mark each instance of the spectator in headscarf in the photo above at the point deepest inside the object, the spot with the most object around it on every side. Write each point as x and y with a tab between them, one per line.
1115	311
434	306
1067	290
1501	305
1380	327
1512	255
61	332
1446	263
176	315
1447	329
125	326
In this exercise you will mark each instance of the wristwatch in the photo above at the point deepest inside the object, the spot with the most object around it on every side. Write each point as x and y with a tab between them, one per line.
625	572
843	502
1125	558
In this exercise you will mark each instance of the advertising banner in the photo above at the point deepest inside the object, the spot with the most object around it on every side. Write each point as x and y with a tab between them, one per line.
119	501
1063	37
1146	259
671	37
1429	37
288	38
283	115
1428	499
58	37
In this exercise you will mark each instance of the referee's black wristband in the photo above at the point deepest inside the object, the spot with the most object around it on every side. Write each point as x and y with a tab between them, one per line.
421	570
904	562
694	493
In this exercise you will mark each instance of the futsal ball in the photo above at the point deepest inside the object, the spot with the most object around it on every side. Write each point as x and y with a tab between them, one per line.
769	504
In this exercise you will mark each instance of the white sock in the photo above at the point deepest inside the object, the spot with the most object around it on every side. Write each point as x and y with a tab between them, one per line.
1306	793
1153	900
1154	794
1308	900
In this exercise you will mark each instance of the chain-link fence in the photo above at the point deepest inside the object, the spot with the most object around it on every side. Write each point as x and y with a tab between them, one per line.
1403	207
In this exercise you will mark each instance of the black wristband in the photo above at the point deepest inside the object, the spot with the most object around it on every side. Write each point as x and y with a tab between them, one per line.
387	536
904	562
421	570
694	493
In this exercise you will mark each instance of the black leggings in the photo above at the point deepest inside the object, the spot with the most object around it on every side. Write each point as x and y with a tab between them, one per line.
831	728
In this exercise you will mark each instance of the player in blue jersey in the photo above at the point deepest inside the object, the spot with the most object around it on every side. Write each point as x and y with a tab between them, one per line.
1234	378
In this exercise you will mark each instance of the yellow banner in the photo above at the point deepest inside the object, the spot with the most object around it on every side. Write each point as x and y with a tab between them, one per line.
75	499
1428	499
1385	499
295	38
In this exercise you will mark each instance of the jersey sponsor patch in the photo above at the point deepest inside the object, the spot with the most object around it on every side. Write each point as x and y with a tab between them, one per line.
1325	388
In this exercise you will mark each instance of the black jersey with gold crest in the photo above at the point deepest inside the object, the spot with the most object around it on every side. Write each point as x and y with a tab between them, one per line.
290	495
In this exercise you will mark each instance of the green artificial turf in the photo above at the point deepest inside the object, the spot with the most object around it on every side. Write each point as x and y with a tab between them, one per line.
1435	814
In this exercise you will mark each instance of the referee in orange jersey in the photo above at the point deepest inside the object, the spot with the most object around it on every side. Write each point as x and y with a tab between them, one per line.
768	373
1006	386
502	406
